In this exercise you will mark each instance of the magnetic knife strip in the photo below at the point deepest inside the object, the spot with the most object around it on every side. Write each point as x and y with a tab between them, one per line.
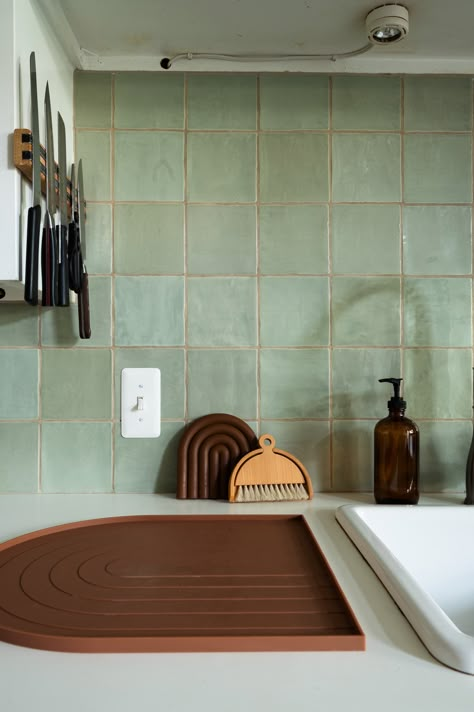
22	159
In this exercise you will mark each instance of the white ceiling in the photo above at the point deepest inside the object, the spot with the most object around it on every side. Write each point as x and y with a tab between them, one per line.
137	34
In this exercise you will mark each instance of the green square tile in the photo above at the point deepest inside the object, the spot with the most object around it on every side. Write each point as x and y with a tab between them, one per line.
171	364
293	239
294	383
18	384
93	100
294	311
438	103
442	469
149	311
438	383
19	325
437	169
60	327
366	103
148	465
19	461
149	165
293	101
222	381
366	311
94	148
437	311
366	167
366	238
149	100
222	311
353	447
221	167
76	384
309	442
99	238
356	392
437	239
149	239
222	101
76	457
293	167
221	239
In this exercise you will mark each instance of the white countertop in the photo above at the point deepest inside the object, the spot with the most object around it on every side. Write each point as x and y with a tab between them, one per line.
395	673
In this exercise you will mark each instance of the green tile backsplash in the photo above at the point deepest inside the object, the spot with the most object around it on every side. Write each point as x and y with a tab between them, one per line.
293	167
222	102
274	244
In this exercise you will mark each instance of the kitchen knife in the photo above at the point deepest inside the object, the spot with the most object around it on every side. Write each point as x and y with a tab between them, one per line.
73	238
34	212
83	296
48	244
62	228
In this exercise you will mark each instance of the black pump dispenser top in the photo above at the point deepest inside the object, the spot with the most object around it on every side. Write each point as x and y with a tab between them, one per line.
395	403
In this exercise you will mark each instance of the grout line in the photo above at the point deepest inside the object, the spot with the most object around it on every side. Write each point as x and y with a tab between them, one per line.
276	203
112	285
185	247
258	351
401	217
173	129
472	247
330	285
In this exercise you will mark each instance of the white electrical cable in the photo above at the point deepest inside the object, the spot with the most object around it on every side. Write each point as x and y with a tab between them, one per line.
167	62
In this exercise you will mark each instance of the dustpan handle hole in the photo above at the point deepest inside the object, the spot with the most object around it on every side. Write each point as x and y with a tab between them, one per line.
266	441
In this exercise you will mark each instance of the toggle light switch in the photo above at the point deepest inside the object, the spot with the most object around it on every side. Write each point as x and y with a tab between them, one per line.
140	386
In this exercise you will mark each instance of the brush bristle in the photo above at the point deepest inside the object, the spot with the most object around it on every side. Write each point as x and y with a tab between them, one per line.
271	493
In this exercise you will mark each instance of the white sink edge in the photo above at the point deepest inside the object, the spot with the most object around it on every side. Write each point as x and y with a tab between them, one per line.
440	635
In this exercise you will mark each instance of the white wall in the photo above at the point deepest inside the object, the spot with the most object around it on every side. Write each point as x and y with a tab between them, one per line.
24	29
9	188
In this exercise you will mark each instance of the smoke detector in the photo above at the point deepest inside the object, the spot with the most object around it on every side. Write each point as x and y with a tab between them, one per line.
387	24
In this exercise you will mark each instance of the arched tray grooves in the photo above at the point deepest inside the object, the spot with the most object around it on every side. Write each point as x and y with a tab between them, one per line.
165	583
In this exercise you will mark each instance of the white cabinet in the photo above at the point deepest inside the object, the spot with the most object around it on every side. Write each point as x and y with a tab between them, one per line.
23	29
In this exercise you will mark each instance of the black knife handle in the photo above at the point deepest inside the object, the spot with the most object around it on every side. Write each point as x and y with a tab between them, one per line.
49	267
83	308
75	264
32	254
63	266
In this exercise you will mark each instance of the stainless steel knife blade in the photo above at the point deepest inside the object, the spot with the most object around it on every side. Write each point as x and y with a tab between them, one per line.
82	211
75	267
73	191
34	212
49	251
83	295
62	227
35	139
62	171
50	167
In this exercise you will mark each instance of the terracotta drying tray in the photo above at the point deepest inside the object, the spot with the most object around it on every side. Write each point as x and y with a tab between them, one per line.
173	583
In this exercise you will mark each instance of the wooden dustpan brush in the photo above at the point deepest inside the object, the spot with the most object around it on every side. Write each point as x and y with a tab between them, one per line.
269	475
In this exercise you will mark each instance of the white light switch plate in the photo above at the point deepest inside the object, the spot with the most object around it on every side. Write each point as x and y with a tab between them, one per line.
141	403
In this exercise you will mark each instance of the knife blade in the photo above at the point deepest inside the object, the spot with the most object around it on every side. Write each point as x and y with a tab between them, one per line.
34	212
62	227
73	238
83	296
48	244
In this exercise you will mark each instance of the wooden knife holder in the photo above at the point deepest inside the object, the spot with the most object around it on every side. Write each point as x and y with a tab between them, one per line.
23	161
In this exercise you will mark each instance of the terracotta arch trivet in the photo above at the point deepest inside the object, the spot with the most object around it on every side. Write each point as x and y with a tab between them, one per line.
208	450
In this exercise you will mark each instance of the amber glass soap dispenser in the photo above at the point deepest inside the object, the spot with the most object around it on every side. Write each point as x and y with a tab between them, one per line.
396	453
